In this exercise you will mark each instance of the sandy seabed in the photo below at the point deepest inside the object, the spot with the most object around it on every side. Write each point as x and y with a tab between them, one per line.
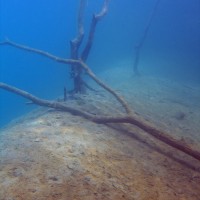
52	155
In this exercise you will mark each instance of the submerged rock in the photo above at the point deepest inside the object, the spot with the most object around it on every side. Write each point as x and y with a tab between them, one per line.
180	115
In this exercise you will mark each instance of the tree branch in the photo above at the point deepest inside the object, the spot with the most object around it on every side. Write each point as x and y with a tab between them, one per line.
39	52
71	61
76	70
45	103
75	43
95	19
141	123
128	118
142	39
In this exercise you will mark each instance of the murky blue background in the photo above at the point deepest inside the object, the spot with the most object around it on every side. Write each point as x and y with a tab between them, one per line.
171	49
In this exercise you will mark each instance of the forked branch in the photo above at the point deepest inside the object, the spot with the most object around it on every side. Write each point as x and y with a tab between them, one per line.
95	20
142	124
72	61
76	70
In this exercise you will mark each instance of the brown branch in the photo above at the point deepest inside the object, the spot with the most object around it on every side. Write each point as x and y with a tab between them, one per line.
75	43
99	82
123	119
71	61
40	52
95	19
142	39
76	70
141	123
45	103
129	118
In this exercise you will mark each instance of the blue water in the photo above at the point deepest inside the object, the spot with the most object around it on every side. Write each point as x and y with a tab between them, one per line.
171	49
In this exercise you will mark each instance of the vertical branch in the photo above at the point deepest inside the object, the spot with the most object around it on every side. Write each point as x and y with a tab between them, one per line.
75	44
95	20
76	70
142	39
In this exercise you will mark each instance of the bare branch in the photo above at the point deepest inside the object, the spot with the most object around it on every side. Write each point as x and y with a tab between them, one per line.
45	103
103	11
95	19
40	52
141	123
75	43
76	70
143	38
128	118
71	61
99	82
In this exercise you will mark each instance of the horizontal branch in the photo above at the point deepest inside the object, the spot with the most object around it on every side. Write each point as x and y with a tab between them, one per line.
71	61
129	118
142	124
40	52
45	103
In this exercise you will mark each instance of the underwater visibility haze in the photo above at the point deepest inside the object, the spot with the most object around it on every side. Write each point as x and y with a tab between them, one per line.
171	48
100	99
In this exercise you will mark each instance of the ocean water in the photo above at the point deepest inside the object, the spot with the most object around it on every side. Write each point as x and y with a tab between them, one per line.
171	49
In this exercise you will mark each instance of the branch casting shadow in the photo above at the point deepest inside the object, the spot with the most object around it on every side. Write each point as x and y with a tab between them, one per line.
126	118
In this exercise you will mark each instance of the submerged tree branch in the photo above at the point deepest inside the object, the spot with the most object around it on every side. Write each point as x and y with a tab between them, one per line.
40	52
142	39
75	43
46	103
76	70
130	119
95	19
72	61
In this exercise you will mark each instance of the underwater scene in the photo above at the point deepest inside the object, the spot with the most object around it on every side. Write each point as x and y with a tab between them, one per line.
100	100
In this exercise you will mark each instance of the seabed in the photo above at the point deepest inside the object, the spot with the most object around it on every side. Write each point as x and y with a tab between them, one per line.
48	154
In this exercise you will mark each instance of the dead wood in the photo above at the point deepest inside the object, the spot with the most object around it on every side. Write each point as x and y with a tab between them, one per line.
76	70
140	44
95	19
72	61
76	42
130	119
75	61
